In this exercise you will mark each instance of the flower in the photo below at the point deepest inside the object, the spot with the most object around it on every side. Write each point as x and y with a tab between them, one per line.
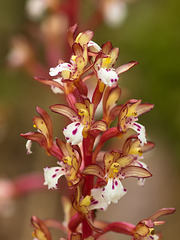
68	167
145	229
82	121
44	134
41	231
128	118
132	146
116	168
104	66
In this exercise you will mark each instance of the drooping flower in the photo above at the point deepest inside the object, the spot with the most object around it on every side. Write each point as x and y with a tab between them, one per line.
41	231
68	167
44	134
145	229
82	121
104	66
116	168
128	118
132	146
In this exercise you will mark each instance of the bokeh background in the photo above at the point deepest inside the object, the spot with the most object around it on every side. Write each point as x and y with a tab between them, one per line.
150	34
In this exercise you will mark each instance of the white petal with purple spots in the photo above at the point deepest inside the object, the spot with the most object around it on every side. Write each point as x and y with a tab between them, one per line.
140	129
98	201
107	76
52	175
113	191
73	133
59	68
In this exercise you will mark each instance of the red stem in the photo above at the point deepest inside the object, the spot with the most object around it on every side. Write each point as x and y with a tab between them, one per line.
110	133
87	150
118	227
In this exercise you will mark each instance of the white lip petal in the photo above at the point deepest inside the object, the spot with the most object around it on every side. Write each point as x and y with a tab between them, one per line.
59	68
140	129
113	191
98	201
107	76
73	133
51	176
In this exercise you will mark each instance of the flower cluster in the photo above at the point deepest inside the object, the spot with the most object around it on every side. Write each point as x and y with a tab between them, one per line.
94	176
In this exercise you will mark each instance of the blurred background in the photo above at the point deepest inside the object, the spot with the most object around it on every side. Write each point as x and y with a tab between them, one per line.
147	32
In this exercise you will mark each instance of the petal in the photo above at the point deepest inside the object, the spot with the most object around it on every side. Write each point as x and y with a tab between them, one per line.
61	67
148	146
37	137
98	201
84	37
71	33
52	175
107	76
73	133
140	129
134	171
113	97
99	125
94	46
125	161
94	170
57	89
41	229
126	67
143	108
108	160
41	126
66	111
28	146
113	191
162	212
114	53
56	83
107	47
48	123
80	63
62	147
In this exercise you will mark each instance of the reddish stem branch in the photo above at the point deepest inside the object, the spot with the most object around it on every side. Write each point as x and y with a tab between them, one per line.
118	227
110	133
